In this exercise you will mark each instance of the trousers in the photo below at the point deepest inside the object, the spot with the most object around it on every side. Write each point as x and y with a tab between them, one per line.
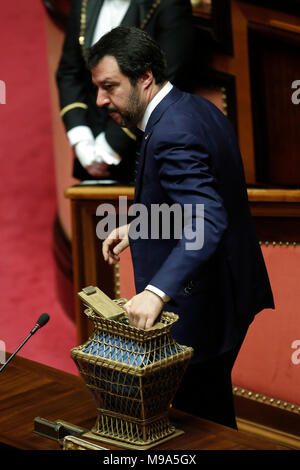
206	389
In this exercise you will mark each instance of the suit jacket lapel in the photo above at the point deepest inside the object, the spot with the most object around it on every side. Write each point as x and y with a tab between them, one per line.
133	14
160	109
138	13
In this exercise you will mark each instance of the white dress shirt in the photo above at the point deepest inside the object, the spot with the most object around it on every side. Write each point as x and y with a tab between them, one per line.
111	16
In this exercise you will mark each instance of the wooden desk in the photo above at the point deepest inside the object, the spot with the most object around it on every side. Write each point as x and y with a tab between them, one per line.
29	389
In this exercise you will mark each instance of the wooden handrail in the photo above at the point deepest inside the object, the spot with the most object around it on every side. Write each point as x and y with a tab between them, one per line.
99	192
112	192
273	195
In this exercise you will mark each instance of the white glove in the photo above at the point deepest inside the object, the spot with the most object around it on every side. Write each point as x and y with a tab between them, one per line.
94	165
95	155
85	152
104	151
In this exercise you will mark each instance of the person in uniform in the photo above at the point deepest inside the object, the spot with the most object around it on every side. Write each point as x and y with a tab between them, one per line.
103	149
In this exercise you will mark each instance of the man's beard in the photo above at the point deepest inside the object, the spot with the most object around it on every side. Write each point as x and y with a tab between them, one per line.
134	111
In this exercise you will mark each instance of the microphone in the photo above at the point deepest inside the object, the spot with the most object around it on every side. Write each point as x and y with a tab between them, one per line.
42	320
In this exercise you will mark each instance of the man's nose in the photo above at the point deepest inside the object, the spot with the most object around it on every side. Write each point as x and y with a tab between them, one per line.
102	98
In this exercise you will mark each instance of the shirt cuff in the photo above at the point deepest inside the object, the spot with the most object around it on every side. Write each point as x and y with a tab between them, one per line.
78	134
158	292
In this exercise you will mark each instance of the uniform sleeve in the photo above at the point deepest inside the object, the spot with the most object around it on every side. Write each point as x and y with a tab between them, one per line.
72	74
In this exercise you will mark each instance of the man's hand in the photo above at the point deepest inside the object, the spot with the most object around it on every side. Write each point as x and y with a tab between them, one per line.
143	309
116	242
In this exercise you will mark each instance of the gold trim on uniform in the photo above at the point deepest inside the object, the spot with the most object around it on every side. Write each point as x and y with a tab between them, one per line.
129	133
155	4
72	106
81	38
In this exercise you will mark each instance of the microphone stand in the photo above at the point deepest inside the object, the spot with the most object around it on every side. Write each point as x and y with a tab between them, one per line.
18	349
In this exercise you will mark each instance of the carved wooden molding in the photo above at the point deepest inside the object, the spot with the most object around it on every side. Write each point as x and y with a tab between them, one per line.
287	6
214	20
267	417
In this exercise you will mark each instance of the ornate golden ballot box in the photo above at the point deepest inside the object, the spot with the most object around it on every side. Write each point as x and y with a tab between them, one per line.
133	374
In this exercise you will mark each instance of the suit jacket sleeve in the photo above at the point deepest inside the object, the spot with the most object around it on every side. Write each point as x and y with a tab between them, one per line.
185	175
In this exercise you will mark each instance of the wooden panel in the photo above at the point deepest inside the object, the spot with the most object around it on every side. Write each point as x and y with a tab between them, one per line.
238	67
213	18
220	89
276	215
274	65
286	70
288	6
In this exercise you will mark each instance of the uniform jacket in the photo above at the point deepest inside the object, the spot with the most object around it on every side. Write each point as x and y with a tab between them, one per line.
169	22
190	155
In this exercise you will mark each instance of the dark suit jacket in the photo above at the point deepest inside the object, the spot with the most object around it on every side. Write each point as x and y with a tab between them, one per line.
190	155
170	24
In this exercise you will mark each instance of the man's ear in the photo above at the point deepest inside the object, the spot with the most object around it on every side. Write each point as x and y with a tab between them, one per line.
146	79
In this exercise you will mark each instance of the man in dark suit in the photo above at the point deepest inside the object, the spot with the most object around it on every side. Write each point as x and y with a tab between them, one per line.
104	149
213	275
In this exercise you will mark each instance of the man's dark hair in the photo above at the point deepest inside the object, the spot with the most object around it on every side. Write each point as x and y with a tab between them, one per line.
134	50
